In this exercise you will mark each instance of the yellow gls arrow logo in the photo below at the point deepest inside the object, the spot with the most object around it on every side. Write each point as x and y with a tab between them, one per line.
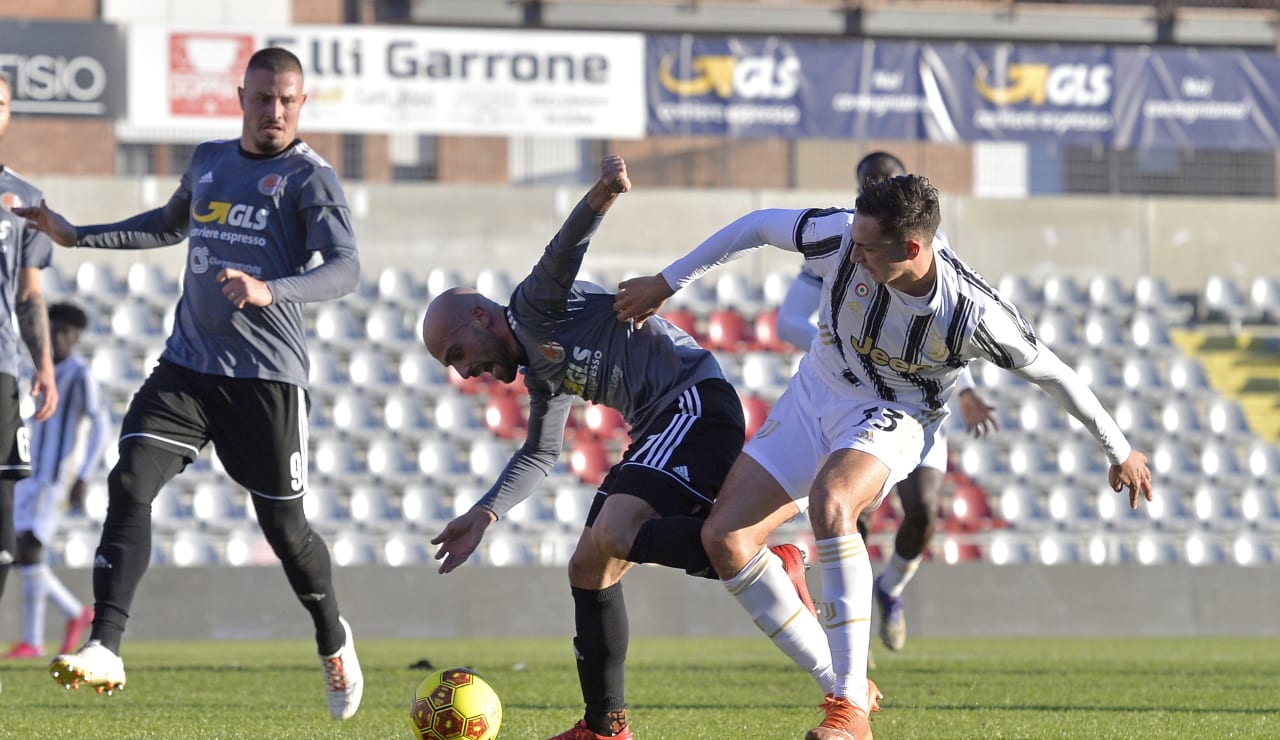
234	214
1026	82
710	73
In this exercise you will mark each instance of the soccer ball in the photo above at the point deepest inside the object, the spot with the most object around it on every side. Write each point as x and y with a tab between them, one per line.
455	704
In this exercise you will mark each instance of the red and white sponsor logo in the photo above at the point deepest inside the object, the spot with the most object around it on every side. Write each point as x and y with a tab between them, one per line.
552	351
205	69
271	184
11	200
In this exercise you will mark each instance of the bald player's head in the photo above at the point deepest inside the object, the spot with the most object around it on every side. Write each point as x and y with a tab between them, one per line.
465	330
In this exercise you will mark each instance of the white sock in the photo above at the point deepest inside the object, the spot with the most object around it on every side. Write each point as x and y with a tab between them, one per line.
846	591
764	589
33	593
61	596
898	573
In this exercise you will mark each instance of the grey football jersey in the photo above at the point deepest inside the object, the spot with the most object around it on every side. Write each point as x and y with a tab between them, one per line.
21	247
576	346
264	216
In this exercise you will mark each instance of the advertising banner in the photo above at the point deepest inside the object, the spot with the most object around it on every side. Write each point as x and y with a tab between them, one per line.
405	80
64	69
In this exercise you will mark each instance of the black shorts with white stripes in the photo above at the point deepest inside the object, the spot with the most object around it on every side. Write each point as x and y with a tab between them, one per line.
15	439
678	464
258	427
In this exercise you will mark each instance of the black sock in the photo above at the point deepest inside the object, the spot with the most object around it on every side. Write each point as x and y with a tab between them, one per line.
601	648
307	565
8	541
673	541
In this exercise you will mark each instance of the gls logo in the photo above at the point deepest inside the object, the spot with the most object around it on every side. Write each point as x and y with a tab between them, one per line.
1063	84
232	214
727	75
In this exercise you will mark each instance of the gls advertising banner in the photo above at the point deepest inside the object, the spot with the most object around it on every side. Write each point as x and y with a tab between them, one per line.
437	81
64	69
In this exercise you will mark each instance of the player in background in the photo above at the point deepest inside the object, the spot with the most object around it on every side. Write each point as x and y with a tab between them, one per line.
37	499
921	492
255	210
24	251
898	321
686	427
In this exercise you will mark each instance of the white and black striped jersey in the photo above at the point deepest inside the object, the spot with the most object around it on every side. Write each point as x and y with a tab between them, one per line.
877	341
54	440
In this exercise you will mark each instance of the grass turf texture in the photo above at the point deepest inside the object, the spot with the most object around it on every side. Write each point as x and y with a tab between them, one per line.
681	688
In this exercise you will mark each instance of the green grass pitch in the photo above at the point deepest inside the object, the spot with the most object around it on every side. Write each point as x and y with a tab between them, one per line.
681	688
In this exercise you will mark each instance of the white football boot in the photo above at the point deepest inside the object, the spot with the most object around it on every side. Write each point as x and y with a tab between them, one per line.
92	665
344	683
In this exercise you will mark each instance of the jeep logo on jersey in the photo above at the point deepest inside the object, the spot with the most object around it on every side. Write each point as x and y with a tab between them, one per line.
11	200
271	184
880	357
232	214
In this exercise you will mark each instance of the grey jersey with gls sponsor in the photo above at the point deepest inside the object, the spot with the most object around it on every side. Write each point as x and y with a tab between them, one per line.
21	247
577	347
262	215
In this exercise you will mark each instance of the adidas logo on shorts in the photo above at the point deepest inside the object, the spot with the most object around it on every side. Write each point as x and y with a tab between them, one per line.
682	471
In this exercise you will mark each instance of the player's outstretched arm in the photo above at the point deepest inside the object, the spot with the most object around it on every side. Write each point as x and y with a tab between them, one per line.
49	221
612	183
461	537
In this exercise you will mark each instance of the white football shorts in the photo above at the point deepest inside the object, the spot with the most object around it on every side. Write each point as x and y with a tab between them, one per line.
811	420
35	508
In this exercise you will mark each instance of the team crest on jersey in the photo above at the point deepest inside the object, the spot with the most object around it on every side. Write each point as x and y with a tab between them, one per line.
11	200
862	290
936	349
552	351
271	184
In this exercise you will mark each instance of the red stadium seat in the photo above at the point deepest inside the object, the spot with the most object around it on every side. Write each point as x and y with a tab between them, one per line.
727	331
766	330
589	460
470	386
968	506
504	416
683	319
755	409
604	422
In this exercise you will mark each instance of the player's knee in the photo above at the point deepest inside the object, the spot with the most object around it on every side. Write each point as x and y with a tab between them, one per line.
613	538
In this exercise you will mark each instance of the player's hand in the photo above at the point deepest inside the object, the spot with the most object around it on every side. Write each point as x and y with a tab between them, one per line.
980	419
49	221
1134	475
45	388
642	297
244	290
613	174
461	537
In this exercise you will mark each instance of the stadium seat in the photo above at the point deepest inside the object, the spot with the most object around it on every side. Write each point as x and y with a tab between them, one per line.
1054	549
386	457
1020	507
1187	377
1151	549
983	462
1259	508
754	411
353	412
1264	298
958	549
146	281
440	279
1212	506
1108	294
437	457
606	424
504	417
734	290
325	371
1198	549
1150	333
402	413
1062	294
337	325
98	281
136	324
1113	509
495	284
1170	459
968	505
420	506
420	373
1133	416
765	374
1227	421
1003	549
55	285
1104	333
589	460
1019	290
1027	460
1080	461
391	325
1248	549
1100	373
1057	330
487	457
1152	294
457	416
217	504
396	286
571	502
1142	376
698	297
333	456
369	505
368	367
1171	509
321	506
1068	506
1040	416
766	332
115	368
1264	461
1180	419
775	286
1223	300
684	320
189	548
727	330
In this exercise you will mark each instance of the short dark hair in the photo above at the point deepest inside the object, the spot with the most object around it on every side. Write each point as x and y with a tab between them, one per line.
878	166
274	59
906	205
69	314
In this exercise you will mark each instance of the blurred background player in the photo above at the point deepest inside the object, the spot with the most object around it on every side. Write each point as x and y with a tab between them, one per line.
38	499
234	369
24	251
920	493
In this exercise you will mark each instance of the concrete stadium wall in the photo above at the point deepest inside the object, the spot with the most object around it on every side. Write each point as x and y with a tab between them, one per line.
469	228
954	601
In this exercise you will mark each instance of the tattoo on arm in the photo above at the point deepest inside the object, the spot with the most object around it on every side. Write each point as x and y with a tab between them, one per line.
33	323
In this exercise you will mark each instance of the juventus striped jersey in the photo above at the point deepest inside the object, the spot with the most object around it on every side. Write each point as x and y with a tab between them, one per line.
576	346
20	247
54	440
880	343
